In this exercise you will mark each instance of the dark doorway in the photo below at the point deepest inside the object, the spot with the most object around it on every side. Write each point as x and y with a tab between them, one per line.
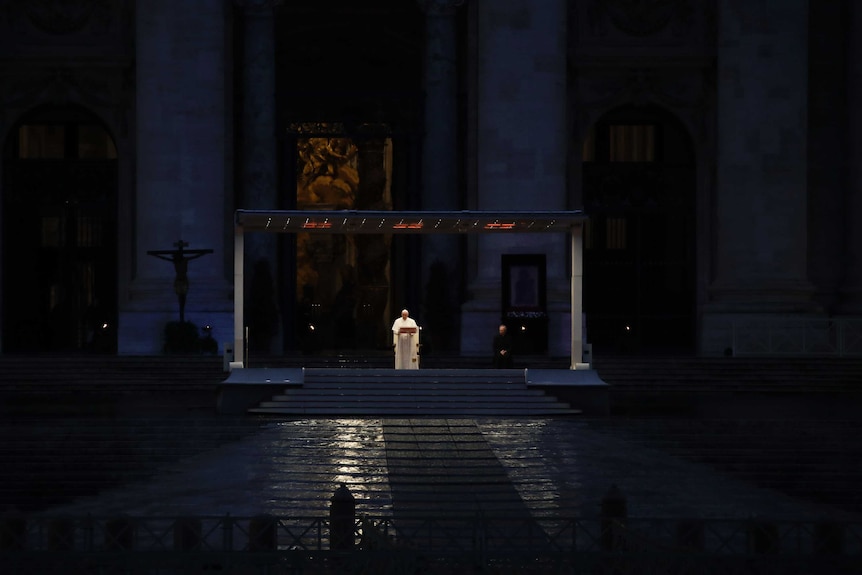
349	111
639	191
342	281
59	229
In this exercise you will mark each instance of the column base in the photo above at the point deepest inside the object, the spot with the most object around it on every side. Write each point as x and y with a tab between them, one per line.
767	297
152	305
769	334
143	333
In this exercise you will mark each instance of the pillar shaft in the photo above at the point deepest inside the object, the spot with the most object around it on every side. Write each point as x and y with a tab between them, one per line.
259	185
439	149
180	169
521	154
522	122
440	142
827	160
441	261
180	104
761	221
259	181
851	288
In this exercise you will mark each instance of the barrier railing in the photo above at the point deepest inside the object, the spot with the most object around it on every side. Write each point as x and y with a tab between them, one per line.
428	544
840	337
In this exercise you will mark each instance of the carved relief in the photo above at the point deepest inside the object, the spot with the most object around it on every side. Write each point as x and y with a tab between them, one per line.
60	86
683	93
640	17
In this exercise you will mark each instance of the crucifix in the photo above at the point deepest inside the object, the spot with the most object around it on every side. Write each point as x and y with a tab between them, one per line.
180	258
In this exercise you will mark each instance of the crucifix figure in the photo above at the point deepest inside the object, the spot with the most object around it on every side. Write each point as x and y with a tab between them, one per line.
180	258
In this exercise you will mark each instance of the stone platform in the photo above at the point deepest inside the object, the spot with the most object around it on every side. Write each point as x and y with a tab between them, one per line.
371	391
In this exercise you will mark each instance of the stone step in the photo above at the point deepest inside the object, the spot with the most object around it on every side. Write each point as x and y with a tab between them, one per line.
388	392
502	397
430	382
490	394
423	410
48	374
414	408
85	371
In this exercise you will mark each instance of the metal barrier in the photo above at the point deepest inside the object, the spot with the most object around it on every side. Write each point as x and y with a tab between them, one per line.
840	337
269	544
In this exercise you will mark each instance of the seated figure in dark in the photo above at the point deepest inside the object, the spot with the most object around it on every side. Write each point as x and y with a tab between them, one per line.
502	349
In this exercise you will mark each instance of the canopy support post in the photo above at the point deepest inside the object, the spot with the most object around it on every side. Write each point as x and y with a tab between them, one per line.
238	298
576	285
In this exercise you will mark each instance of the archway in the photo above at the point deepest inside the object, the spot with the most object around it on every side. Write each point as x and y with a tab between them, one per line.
639	257
59	233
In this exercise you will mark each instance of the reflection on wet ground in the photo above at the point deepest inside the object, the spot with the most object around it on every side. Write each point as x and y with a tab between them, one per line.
393	467
564	467
445	467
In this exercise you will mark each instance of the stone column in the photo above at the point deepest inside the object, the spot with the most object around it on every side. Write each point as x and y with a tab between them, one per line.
439	162
259	185
761	200
259	181
522	135
827	159
851	288
181	126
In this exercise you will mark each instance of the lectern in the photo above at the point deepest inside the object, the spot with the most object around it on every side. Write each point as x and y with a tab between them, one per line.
407	348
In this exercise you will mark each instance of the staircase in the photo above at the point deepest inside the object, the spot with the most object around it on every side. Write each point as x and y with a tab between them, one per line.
794	387
736	374
426	392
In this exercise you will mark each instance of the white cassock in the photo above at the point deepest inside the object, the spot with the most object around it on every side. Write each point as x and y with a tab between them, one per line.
406	344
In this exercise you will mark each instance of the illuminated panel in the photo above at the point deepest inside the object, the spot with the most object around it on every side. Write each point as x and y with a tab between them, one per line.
402	225
406	222
498	225
316	225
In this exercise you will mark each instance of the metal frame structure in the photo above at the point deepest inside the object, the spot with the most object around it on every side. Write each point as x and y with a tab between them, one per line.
432	544
413	222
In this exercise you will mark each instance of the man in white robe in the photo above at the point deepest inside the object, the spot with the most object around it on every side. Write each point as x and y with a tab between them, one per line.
405	338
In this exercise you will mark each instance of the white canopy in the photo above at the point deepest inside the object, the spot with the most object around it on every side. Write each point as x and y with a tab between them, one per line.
412	222
389	222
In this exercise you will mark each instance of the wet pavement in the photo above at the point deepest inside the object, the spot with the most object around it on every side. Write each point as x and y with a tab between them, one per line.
546	467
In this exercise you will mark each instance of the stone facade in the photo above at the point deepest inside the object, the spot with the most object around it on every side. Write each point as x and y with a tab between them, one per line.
501	112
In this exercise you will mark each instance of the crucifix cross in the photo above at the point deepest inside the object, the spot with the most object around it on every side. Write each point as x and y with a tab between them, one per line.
180	258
